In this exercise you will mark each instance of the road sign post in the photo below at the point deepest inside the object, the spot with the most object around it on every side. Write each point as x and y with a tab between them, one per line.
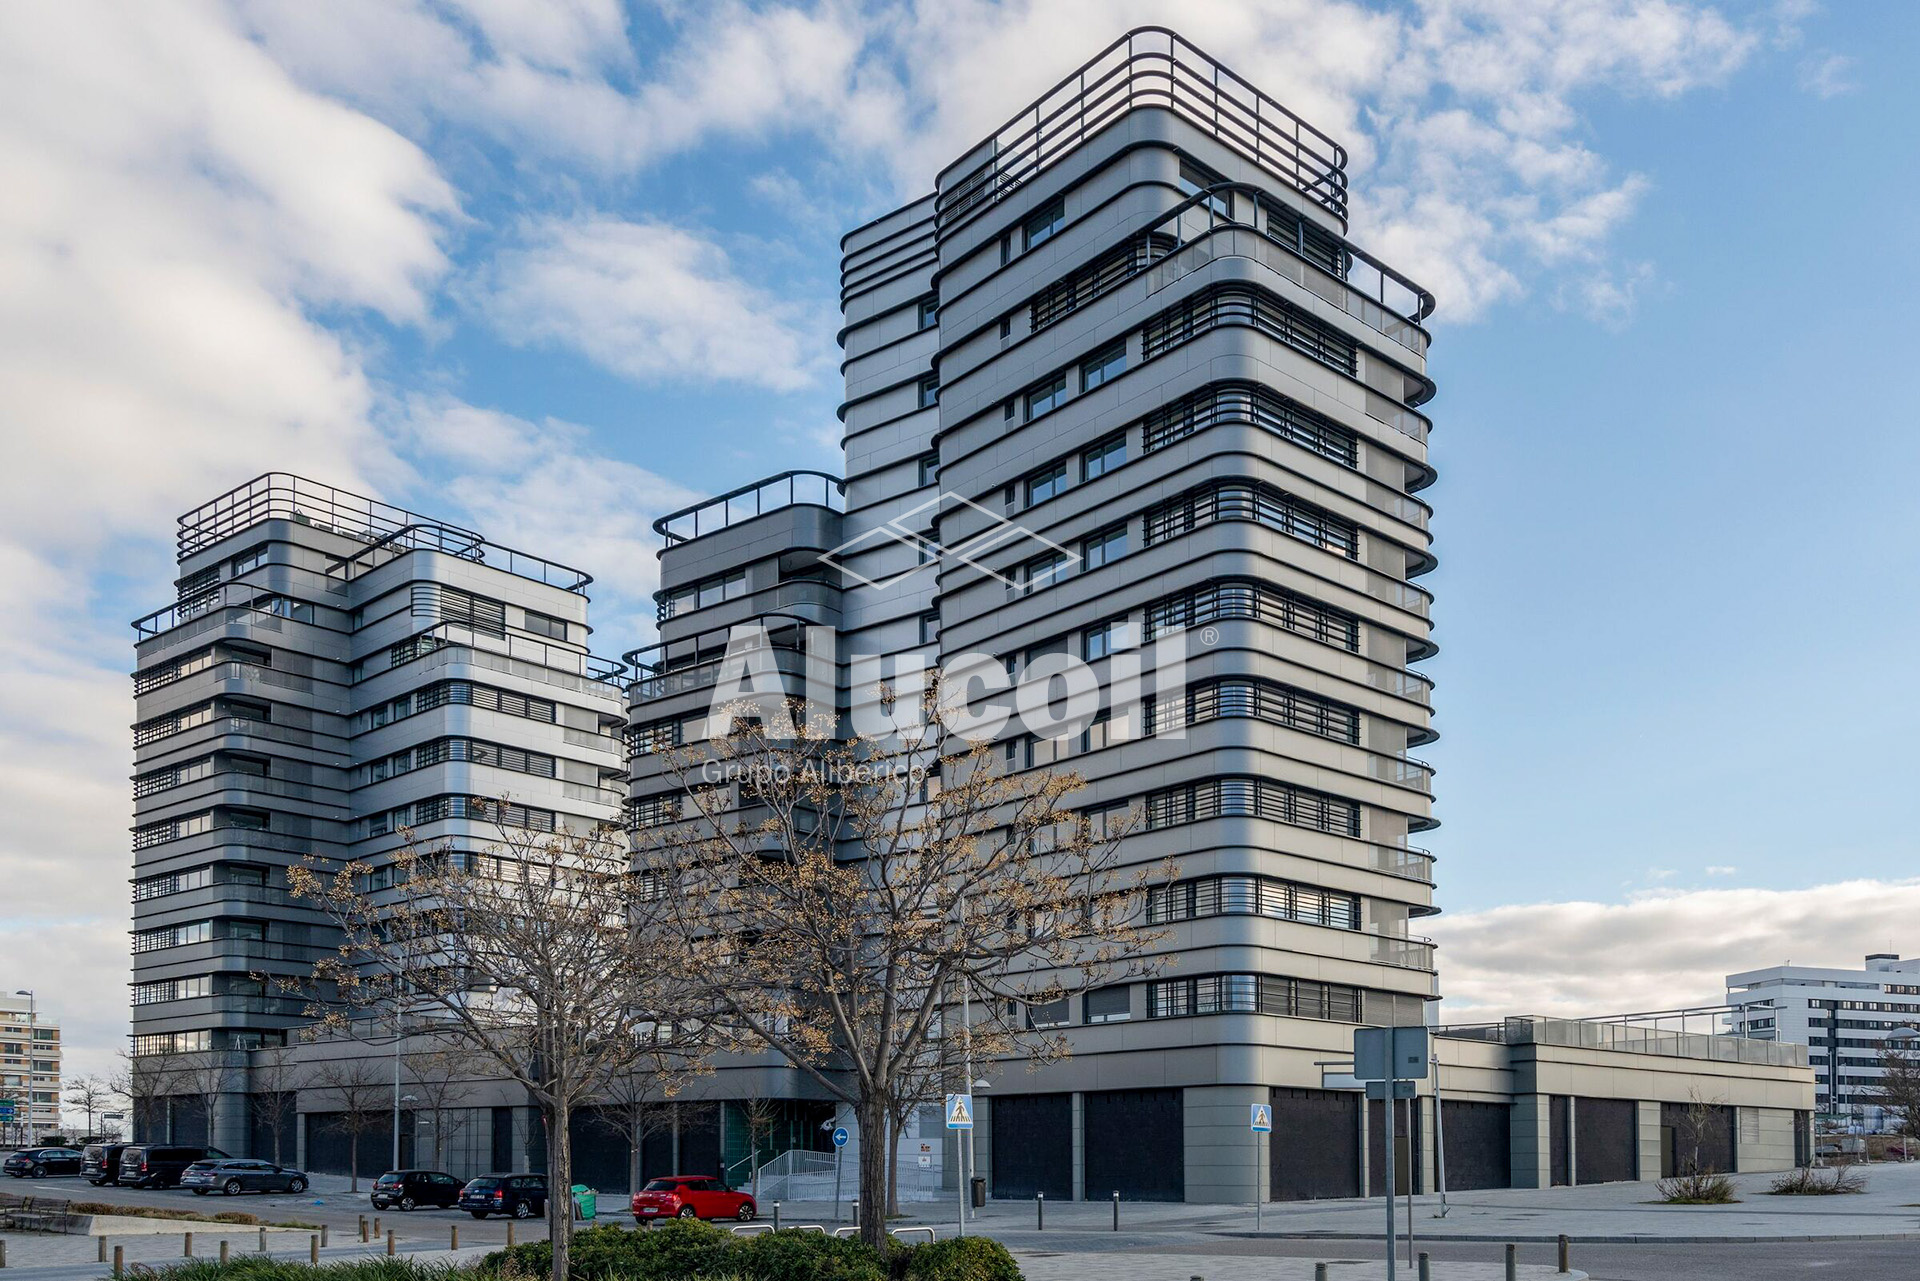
1390	1060
1260	1122
960	1117
839	1147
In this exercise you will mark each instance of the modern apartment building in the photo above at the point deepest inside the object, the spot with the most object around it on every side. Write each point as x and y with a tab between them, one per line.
333	669
29	1068
1132	324
1844	1016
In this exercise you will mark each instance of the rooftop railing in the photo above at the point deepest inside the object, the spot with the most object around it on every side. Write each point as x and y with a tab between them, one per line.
284	496
787	489
1147	67
1665	1032
451	540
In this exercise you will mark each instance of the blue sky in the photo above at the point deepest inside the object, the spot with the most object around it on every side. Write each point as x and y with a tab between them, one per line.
555	268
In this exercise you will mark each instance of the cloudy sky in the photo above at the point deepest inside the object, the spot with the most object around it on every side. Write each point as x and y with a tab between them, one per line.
554	268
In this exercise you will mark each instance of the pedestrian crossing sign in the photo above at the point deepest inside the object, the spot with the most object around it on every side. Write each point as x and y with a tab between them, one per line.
1262	1118
959	1111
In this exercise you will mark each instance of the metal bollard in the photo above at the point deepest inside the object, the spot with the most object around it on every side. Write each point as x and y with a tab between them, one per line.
376	1225
186	1250
3	1254
389	1243
509	1231
1116	1212
776	1216
1319	1272
1566	1253
103	1250
313	1248
1426	1266
453	1232
223	1250
1513	1264
1039	1212
363	1229
263	1240
856	1210
323	1236
119	1260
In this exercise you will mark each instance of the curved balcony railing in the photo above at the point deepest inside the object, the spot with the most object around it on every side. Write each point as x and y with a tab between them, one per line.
558	658
1147	67
787	489
284	496
693	662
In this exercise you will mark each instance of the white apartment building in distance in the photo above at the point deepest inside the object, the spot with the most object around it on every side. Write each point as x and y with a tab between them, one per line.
29	1068
1843	1016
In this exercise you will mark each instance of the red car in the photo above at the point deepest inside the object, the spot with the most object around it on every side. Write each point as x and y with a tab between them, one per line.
691	1196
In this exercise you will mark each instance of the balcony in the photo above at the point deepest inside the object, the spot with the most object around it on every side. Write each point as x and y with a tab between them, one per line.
1147	67
487	650
787	489
693	662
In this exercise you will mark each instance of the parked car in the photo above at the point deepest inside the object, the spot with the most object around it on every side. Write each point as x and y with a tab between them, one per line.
406	1189
691	1196
521	1195
100	1162
159	1165
38	1163
235	1175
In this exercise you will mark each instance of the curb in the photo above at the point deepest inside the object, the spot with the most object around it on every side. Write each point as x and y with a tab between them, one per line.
1522	1238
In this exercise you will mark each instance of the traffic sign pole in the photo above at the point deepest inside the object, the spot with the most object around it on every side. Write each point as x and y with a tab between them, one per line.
839	1148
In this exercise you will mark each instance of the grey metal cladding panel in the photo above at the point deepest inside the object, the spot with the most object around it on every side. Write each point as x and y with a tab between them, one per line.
802	527
298	799
887	227
904	361
243	625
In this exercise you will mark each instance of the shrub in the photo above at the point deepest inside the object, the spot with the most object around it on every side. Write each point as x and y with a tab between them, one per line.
958	1259
673	1251
803	1256
1698	1189
1807	1181
259	1268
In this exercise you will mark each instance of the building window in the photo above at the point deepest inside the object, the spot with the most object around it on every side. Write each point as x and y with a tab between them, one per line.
1041	571
1106	1005
1104	365
1046	483
929	392
1102	639
451	605
1194	179
929	314
1006	327
1240	797
929	469
929	629
251	559
1048	1014
1042	226
1104	547
1260	503
546	625
1046	396
1103	457
700	595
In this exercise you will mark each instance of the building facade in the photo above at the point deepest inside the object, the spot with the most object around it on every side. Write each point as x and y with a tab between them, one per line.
1844	1017
29	1068
333	669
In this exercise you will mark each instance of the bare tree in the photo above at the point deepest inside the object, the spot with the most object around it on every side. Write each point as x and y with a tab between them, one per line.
89	1095
147	1081
362	1094
539	959
639	1101
1899	1089
441	1078
760	1113
835	898
1697	1180
274	1080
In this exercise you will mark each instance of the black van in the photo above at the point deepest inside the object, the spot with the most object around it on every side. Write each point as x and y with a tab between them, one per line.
100	1162
158	1165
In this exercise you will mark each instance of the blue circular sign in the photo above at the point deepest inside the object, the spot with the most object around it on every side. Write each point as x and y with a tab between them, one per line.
840	1137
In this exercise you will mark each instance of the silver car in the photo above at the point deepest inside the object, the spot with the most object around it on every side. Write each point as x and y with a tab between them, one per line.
237	1174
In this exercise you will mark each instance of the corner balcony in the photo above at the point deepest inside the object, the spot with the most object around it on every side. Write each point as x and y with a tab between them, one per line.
748	502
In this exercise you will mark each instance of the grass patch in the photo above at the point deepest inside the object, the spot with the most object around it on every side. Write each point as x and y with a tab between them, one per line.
1698	1189
238	1217
1840	1180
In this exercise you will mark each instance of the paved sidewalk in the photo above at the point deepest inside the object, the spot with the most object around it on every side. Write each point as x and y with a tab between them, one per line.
1214	1267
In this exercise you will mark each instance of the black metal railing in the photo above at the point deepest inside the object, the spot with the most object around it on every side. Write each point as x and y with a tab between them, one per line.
787	489
1147	67
693	662
284	496
451	540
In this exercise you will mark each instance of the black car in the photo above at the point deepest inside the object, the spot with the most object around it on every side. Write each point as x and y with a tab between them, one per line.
159	1165
38	1163
100	1162
235	1175
524	1196
406	1189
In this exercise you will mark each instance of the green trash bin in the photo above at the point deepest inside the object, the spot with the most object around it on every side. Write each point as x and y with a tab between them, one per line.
586	1202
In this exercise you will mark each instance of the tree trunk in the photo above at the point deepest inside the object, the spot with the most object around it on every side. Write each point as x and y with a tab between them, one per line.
636	1140
559	1186
353	1161
873	1173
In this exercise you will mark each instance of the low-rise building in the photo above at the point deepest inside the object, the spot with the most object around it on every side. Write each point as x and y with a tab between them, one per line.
29	1068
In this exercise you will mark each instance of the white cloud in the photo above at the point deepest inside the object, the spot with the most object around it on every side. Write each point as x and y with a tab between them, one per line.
648	300
1719	869
1658	950
1825	75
